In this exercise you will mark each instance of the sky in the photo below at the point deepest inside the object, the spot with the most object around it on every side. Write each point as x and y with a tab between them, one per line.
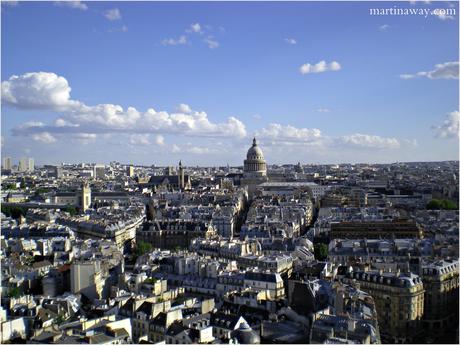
155	83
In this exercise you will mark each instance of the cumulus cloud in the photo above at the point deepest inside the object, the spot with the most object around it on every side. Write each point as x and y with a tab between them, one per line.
113	14
323	110
184	108
44	137
290	41
41	90
369	141
38	90
320	67
384	27
160	140
447	70
174	41
450	126
72	4
194	28
278	132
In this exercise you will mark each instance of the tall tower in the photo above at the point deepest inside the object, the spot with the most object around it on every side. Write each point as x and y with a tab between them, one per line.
181	176
85	197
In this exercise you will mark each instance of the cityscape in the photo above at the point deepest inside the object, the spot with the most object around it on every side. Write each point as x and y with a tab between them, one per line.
314	202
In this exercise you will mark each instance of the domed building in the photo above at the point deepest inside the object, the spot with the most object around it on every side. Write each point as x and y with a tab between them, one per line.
254	164
255	168
244	335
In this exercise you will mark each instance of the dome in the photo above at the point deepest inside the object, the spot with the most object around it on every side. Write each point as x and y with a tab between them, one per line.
245	335
254	164
254	152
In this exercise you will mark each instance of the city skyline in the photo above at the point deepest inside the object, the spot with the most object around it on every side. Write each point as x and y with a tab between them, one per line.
146	84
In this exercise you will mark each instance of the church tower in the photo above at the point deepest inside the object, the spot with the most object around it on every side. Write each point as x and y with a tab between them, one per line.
181	176
85	198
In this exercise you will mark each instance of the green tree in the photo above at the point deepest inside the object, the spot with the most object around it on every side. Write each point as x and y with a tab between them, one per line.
13	211
14	292
71	209
143	248
437	204
320	251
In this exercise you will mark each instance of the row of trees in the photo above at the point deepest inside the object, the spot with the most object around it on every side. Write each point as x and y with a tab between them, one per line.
441	204
16	212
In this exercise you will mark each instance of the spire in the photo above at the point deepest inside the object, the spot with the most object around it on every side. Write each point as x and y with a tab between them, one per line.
254	142
180	163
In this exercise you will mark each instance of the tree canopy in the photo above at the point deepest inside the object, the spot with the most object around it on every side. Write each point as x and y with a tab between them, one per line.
320	251
143	248
441	204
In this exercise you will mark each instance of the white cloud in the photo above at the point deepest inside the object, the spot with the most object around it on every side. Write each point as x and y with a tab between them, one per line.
72	4
195	28
38	90
44	137
447	70
211	42
184	108
198	150
174	42
384	27
112	14
290	41
275	131
450	126
81	138
257	116
51	92
369	141
139	139
160	140
320	67
175	149
323	110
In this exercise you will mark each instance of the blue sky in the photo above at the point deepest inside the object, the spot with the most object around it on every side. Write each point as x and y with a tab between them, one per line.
316	82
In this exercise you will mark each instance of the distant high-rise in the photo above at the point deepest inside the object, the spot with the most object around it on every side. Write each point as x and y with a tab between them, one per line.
7	165
99	171
22	167
30	164
56	172
26	164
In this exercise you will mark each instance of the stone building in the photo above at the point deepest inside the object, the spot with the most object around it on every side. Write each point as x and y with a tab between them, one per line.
399	299
255	168
440	280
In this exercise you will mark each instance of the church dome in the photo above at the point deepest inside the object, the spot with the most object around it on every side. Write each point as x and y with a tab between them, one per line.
245	335
254	163
254	152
